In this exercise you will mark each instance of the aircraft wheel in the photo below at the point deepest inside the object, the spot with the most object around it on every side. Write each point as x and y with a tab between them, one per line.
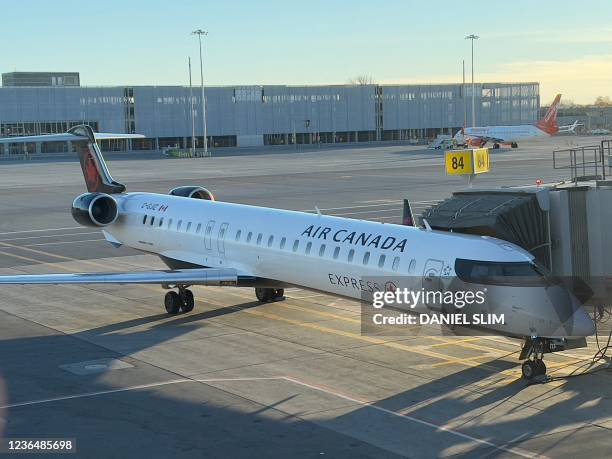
173	302
279	293
265	295
529	369
188	301
495	146
540	367
514	145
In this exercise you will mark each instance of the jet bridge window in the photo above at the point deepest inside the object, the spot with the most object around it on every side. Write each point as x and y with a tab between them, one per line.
502	273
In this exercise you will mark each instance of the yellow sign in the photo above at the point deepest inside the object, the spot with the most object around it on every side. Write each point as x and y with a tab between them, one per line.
481	160
459	162
467	162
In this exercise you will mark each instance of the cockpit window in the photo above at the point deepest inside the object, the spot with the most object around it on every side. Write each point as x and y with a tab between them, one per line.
502	273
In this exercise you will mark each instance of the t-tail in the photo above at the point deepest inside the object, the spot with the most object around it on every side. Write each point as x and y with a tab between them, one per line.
548	124
95	172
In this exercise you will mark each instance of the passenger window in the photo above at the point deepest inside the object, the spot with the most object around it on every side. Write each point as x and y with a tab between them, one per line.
259	236
283	241
308	247
249	236
381	261
396	261
322	250
161	221
152	220
222	232
366	258
198	228
238	234
411	266
336	252
296	245
178	225
144	220
351	255
169	223
188	227
270	241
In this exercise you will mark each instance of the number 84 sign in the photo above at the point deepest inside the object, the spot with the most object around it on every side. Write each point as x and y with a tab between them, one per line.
467	162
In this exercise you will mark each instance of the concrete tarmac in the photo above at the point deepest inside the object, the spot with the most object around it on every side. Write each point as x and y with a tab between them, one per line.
105	365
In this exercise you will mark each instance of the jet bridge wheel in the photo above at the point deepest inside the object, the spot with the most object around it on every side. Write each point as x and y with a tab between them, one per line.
266	295
173	302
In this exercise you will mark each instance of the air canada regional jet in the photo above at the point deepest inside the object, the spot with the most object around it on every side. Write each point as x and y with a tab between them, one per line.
212	243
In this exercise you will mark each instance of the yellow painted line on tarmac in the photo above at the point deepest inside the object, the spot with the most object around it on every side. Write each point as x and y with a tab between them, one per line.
458	342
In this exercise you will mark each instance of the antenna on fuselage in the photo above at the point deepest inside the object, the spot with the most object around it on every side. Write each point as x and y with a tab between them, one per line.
426	223
318	211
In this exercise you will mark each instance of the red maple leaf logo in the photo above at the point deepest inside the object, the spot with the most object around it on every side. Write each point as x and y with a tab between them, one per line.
92	177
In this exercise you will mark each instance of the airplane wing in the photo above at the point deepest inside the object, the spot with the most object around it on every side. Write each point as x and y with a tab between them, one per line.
203	276
67	136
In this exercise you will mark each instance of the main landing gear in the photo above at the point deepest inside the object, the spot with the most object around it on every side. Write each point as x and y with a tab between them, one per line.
267	295
182	300
533	352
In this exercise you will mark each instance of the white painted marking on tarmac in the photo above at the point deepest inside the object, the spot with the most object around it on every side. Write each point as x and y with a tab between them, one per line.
55	243
48	236
366	404
518	452
42	230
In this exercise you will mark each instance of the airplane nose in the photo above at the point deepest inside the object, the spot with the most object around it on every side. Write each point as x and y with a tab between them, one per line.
582	324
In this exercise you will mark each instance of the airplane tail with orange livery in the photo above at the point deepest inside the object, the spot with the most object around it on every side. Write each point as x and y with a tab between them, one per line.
548	124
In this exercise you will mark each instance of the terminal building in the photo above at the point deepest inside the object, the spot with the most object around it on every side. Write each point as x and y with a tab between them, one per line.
242	116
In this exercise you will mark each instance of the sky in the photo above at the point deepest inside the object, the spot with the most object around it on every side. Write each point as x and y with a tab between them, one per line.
566	46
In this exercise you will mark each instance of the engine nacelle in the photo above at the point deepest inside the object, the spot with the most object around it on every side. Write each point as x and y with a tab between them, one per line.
195	192
95	209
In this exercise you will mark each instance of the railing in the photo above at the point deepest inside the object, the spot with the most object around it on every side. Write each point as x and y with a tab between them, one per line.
589	162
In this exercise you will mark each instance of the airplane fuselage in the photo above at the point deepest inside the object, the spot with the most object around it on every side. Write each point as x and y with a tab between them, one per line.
342	256
506	134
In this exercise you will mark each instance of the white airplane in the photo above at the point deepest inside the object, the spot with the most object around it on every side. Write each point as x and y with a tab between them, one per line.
212	243
511	135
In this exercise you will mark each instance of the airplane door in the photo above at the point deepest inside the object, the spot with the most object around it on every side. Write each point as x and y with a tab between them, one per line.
221	239
431	280
208	235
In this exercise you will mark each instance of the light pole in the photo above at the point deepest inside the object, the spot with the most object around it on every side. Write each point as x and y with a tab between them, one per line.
473	37
199	33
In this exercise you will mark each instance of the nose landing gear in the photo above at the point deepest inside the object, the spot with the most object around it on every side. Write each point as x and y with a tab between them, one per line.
181	301
533	352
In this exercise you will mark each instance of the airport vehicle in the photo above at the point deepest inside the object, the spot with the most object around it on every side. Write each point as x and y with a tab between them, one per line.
599	132
207	242
511	135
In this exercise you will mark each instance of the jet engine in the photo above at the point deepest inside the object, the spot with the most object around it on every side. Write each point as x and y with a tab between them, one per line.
95	209
195	192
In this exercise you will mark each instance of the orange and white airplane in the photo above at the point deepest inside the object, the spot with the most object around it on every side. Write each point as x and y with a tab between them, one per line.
510	135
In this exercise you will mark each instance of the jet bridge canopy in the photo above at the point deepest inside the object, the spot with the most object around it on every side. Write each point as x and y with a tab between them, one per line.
514	215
